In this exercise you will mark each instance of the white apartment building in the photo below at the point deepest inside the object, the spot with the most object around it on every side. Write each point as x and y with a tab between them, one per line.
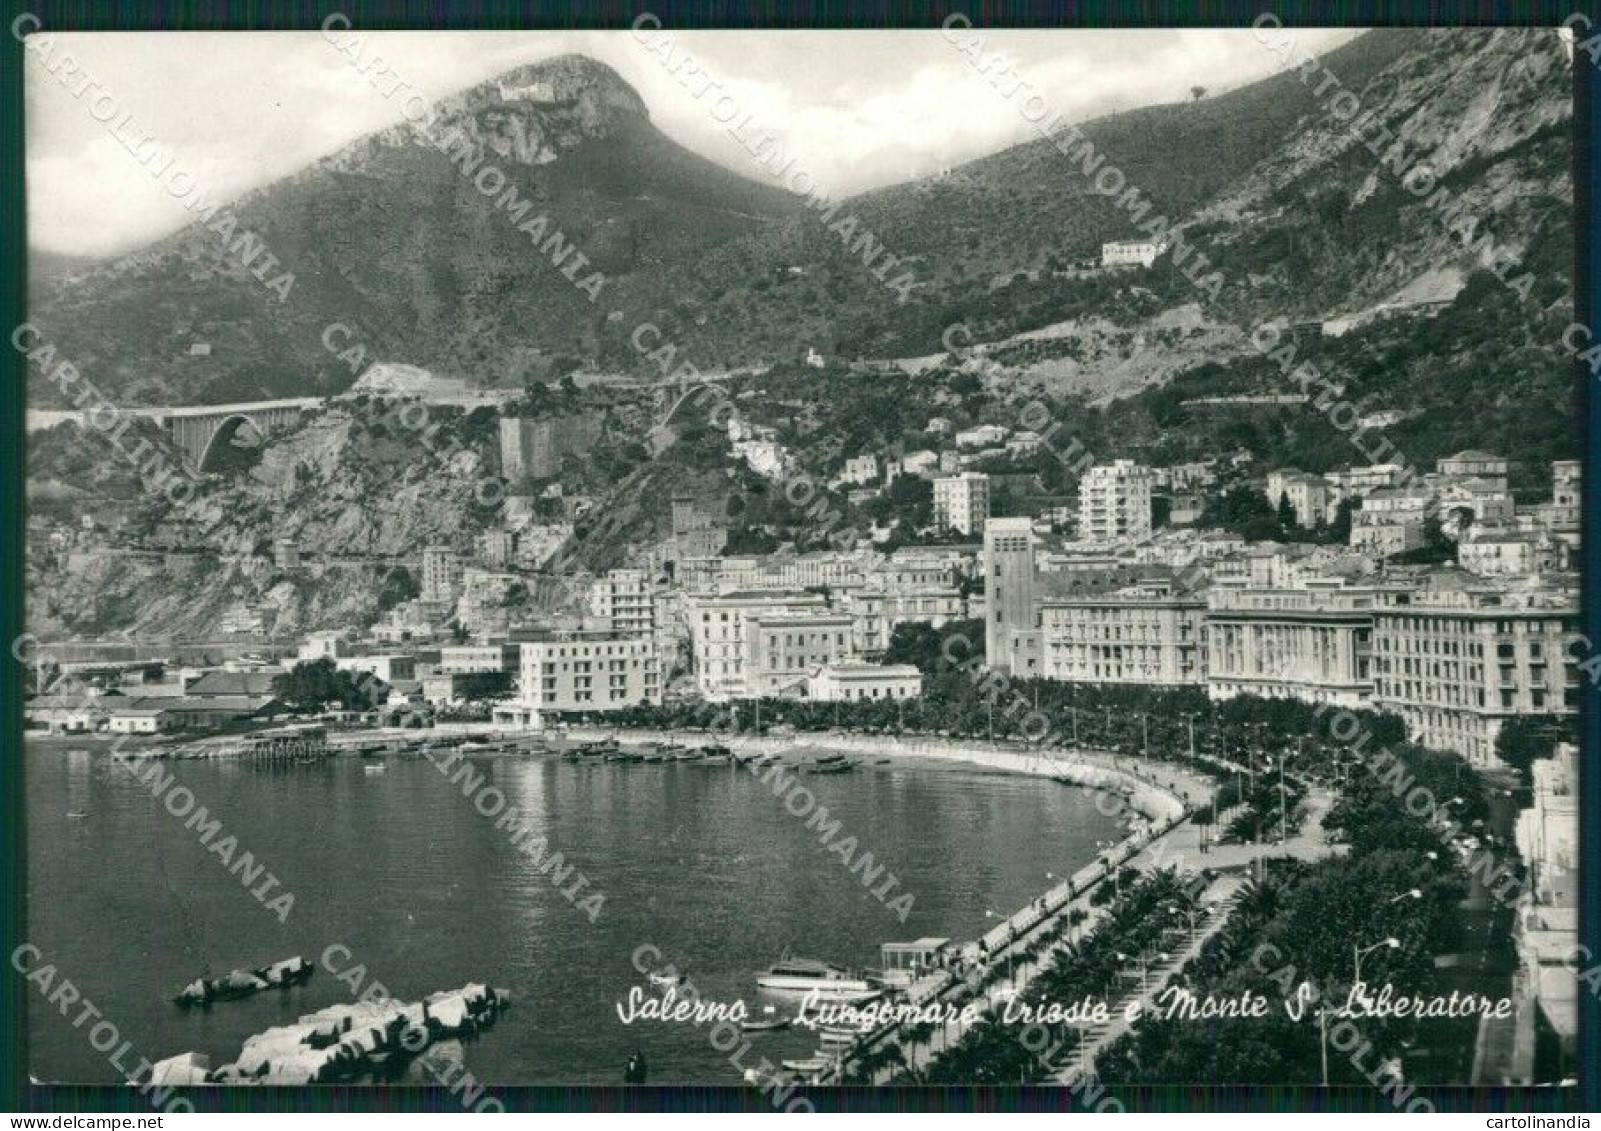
1456	664
441	573
1390	521
1473	502
983	436
470	659
1499	553
1307	494
387	668
1114	502
625	598
962	502
582	671
329	644
1565	476
1132	253
1143	634
860	469
722	625
1474	465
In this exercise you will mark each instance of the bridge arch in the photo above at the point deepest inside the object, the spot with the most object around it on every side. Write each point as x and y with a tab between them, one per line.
225	435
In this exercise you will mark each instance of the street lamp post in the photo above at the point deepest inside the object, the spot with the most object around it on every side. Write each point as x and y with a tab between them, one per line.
1358	952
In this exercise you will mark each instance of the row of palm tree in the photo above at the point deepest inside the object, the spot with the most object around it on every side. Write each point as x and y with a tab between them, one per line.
1131	934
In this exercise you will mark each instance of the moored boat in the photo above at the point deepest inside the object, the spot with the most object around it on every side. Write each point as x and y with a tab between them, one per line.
832	767
808	1065
804	975
766	1025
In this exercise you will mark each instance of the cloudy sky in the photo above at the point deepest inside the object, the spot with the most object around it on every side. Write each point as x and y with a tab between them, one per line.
859	109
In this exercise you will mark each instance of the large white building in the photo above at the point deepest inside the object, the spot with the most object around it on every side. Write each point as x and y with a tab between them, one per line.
784	650
1311	642
470	659
582	671
962	502
1390	521
877	609
1456	663
1308	495
1145	634
1114	502
722	625
1132	253
1474	465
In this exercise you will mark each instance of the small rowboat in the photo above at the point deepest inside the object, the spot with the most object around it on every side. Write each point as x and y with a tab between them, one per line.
666	980
766	1025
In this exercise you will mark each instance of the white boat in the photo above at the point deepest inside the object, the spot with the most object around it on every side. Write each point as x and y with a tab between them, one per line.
806	974
666	980
808	1065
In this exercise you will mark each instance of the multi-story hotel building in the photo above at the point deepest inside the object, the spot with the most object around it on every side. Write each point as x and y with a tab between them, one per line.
1114	502
721	625
1011	613
784	650
582	671
962	502
1312	642
1390	521
1455	664
1143	634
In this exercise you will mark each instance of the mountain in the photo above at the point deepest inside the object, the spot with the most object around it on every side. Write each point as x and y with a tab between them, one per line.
389	237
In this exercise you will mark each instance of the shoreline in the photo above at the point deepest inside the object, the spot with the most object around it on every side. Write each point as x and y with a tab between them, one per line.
1161	791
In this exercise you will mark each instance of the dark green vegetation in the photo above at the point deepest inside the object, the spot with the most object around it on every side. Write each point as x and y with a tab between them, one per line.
314	684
